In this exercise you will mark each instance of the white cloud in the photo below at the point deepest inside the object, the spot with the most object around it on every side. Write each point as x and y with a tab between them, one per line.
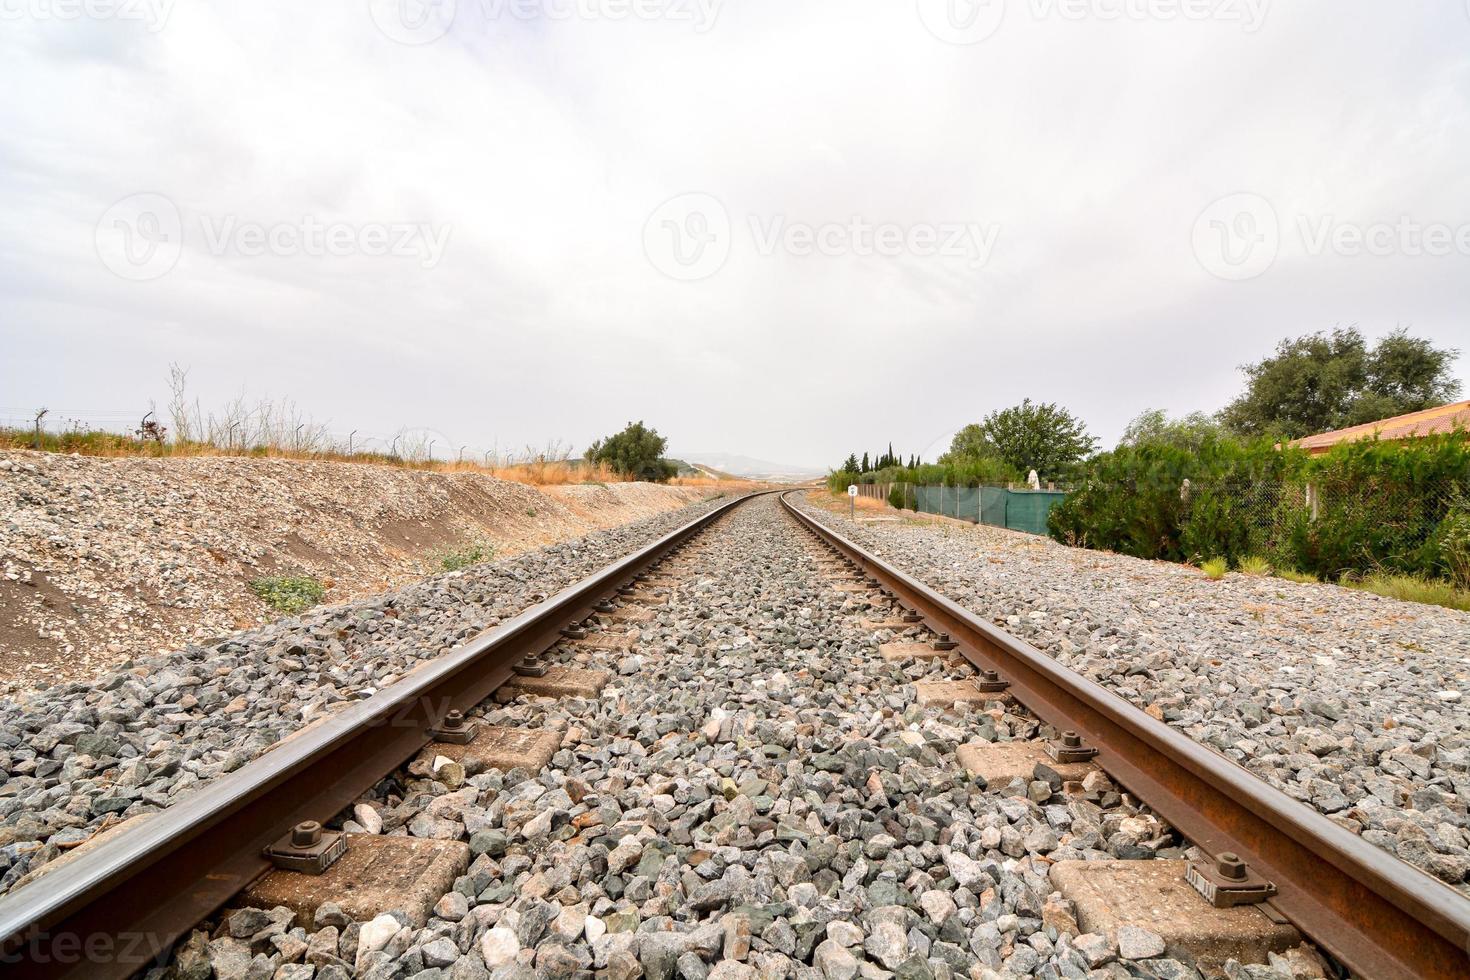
545	144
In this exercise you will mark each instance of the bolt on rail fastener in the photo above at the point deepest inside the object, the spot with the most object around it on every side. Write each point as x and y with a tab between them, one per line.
990	682
307	848
532	666
1069	748
1228	881
454	729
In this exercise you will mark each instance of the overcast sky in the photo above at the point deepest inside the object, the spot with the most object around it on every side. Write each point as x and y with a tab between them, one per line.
783	228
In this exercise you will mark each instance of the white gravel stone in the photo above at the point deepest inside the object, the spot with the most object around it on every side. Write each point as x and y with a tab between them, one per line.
498	947
375	934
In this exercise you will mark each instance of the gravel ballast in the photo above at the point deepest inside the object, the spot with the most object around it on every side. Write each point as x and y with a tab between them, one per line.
756	794
80	756
1348	701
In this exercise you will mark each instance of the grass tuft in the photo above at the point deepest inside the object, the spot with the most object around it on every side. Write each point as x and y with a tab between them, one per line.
1255	565
1292	575
289	594
474	554
1412	588
1215	568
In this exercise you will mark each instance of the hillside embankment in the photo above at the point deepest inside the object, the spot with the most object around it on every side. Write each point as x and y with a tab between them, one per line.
103	559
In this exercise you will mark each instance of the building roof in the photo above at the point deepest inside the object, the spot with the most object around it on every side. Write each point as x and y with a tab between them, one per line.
1429	422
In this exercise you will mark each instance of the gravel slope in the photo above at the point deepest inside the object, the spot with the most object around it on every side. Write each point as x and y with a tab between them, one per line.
1345	700
103	559
756	795
78	756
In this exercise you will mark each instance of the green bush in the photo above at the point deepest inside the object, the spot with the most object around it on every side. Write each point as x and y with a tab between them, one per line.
1452	543
1360	508
289	594
1380	507
636	452
1132	500
902	497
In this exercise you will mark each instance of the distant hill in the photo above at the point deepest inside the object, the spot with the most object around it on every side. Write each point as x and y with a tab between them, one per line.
751	468
700	470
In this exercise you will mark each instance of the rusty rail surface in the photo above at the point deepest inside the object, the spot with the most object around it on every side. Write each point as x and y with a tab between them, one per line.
1379	916
113	911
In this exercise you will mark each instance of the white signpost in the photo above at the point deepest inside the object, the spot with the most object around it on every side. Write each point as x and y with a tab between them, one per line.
852	501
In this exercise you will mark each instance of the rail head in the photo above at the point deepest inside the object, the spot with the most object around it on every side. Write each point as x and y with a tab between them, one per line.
1380	916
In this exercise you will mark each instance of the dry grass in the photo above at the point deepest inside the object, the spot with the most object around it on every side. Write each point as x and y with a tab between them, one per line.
554	472
838	501
543	473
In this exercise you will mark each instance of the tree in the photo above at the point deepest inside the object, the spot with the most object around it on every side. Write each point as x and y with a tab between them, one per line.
1041	437
635	452
1321	382
851	466
1153	426
969	443
865	464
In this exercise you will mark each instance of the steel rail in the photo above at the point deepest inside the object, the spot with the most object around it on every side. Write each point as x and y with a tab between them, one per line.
114	910
1379	916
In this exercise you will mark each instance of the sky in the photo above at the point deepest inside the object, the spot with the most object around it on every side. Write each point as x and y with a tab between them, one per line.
790	229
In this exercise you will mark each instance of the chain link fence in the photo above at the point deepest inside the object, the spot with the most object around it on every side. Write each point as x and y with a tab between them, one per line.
1333	526
997	506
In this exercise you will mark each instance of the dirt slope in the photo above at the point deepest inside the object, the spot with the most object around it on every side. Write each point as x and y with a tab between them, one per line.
104	559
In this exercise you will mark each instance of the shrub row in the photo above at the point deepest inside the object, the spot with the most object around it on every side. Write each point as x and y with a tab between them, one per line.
1363	507
970	472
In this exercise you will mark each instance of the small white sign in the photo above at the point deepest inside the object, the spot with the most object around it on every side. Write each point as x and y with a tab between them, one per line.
852	490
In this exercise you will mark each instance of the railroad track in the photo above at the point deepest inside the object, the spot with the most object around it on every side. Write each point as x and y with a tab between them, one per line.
149	884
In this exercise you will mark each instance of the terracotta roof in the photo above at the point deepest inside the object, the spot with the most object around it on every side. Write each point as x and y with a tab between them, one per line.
1430	421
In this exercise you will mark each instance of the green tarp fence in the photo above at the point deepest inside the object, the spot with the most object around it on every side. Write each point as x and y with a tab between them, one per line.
1018	510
